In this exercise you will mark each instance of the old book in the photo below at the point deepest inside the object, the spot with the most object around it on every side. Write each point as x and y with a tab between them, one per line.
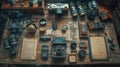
98	49
29	49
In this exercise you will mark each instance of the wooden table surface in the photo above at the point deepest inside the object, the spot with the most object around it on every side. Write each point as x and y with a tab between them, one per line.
70	36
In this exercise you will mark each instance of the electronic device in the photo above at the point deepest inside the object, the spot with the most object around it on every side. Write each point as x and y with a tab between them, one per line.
59	12
44	52
98	26
15	29
54	25
92	11
58	8
92	14
83	31
58	49
105	14
15	26
84	27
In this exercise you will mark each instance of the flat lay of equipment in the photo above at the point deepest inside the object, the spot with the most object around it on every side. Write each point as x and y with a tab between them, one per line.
59	32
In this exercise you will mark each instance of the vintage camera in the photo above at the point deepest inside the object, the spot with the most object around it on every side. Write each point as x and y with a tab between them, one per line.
58	50
58	8
16	26
16	22
92	12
